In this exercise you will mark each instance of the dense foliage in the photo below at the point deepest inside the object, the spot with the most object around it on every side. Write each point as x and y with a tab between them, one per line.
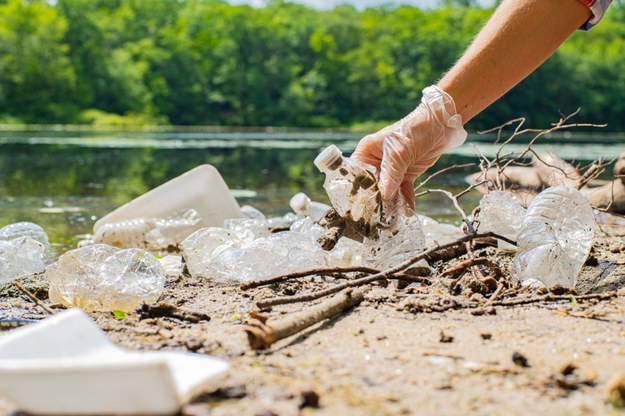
209	62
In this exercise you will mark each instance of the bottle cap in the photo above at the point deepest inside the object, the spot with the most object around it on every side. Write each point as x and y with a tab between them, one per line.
300	203
328	158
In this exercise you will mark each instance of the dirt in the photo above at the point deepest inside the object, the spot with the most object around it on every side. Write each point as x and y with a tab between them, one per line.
420	349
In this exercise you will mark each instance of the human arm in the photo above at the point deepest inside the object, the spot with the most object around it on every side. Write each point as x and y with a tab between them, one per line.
519	37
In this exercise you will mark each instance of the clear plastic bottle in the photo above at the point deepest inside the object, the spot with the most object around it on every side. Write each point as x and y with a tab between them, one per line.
501	212
555	237
353	190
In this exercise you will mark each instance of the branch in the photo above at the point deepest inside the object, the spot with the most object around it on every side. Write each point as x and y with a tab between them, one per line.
261	335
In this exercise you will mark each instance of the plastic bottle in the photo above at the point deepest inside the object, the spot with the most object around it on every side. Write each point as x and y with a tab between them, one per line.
501	212
555	237
104	278
353	190
396	245
19	257
25	229
301	204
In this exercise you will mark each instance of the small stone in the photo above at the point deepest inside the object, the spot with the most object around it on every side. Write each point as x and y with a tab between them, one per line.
196	409
520	360
446	338
309	397
615	391
486	336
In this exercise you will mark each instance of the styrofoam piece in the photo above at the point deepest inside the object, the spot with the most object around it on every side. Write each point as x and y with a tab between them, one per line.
202	189
65	365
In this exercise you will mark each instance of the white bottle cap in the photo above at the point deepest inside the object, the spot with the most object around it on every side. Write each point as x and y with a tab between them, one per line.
328	157
300	203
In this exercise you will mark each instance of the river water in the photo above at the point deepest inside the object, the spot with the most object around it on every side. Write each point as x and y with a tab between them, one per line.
65	181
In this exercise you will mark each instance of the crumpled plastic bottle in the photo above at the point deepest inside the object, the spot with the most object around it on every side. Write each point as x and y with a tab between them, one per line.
25	229
437	233
150	233
501	212
395	245
226	256
20	257
353	190
100	277
555	237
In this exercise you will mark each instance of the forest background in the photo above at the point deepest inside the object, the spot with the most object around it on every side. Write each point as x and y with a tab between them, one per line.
207	62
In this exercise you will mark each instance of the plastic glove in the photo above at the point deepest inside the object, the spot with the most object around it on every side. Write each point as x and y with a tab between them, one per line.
404	150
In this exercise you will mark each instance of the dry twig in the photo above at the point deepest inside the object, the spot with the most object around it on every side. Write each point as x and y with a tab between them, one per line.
32	297
261	335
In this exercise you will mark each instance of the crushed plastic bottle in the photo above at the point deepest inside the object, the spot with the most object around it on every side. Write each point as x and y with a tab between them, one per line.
252	213
100	277
395	245
301	204
223	255
501	212
150	233
555	237
20	257
353	190
248	229
436	233
25	229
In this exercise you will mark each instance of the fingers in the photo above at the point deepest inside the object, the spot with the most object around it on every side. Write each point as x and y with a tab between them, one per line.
395	162
407	193
369	150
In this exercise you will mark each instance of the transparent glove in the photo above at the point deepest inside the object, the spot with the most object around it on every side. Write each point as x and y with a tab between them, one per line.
404	150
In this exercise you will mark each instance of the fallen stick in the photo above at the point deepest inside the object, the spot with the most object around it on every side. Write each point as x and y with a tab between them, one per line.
554	298
428	254
32	297
262	335
321	271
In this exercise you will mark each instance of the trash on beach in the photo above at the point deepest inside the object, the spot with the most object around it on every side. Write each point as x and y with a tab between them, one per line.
100	277
154	234
301	204
501	212
25	229
66	365
234	254
20	257
555	237
201	189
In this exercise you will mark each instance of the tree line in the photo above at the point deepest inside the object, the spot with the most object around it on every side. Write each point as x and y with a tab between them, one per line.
206	62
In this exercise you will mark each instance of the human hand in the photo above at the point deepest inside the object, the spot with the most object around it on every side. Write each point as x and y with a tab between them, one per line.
404	150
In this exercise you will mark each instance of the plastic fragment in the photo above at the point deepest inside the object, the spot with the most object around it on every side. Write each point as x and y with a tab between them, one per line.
100	277
20	257
555	237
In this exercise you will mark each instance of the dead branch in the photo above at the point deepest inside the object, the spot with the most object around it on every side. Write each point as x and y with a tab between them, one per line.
262	335
444	170
554	298
427	255
461	268
32	297
322	271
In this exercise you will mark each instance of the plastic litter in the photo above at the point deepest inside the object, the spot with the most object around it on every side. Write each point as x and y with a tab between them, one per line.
436	233
395	245
19	257
103	278
501	212
301	204
154	234
225	255
555	237
25	229
353	190
202	189
65	365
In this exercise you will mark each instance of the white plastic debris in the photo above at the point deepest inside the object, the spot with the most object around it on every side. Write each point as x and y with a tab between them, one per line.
555	237
65	365
248	229
437	233
301	204
501	212
25	229
103	278
201	189
150	233
395	245
252	213
20	257
221	254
